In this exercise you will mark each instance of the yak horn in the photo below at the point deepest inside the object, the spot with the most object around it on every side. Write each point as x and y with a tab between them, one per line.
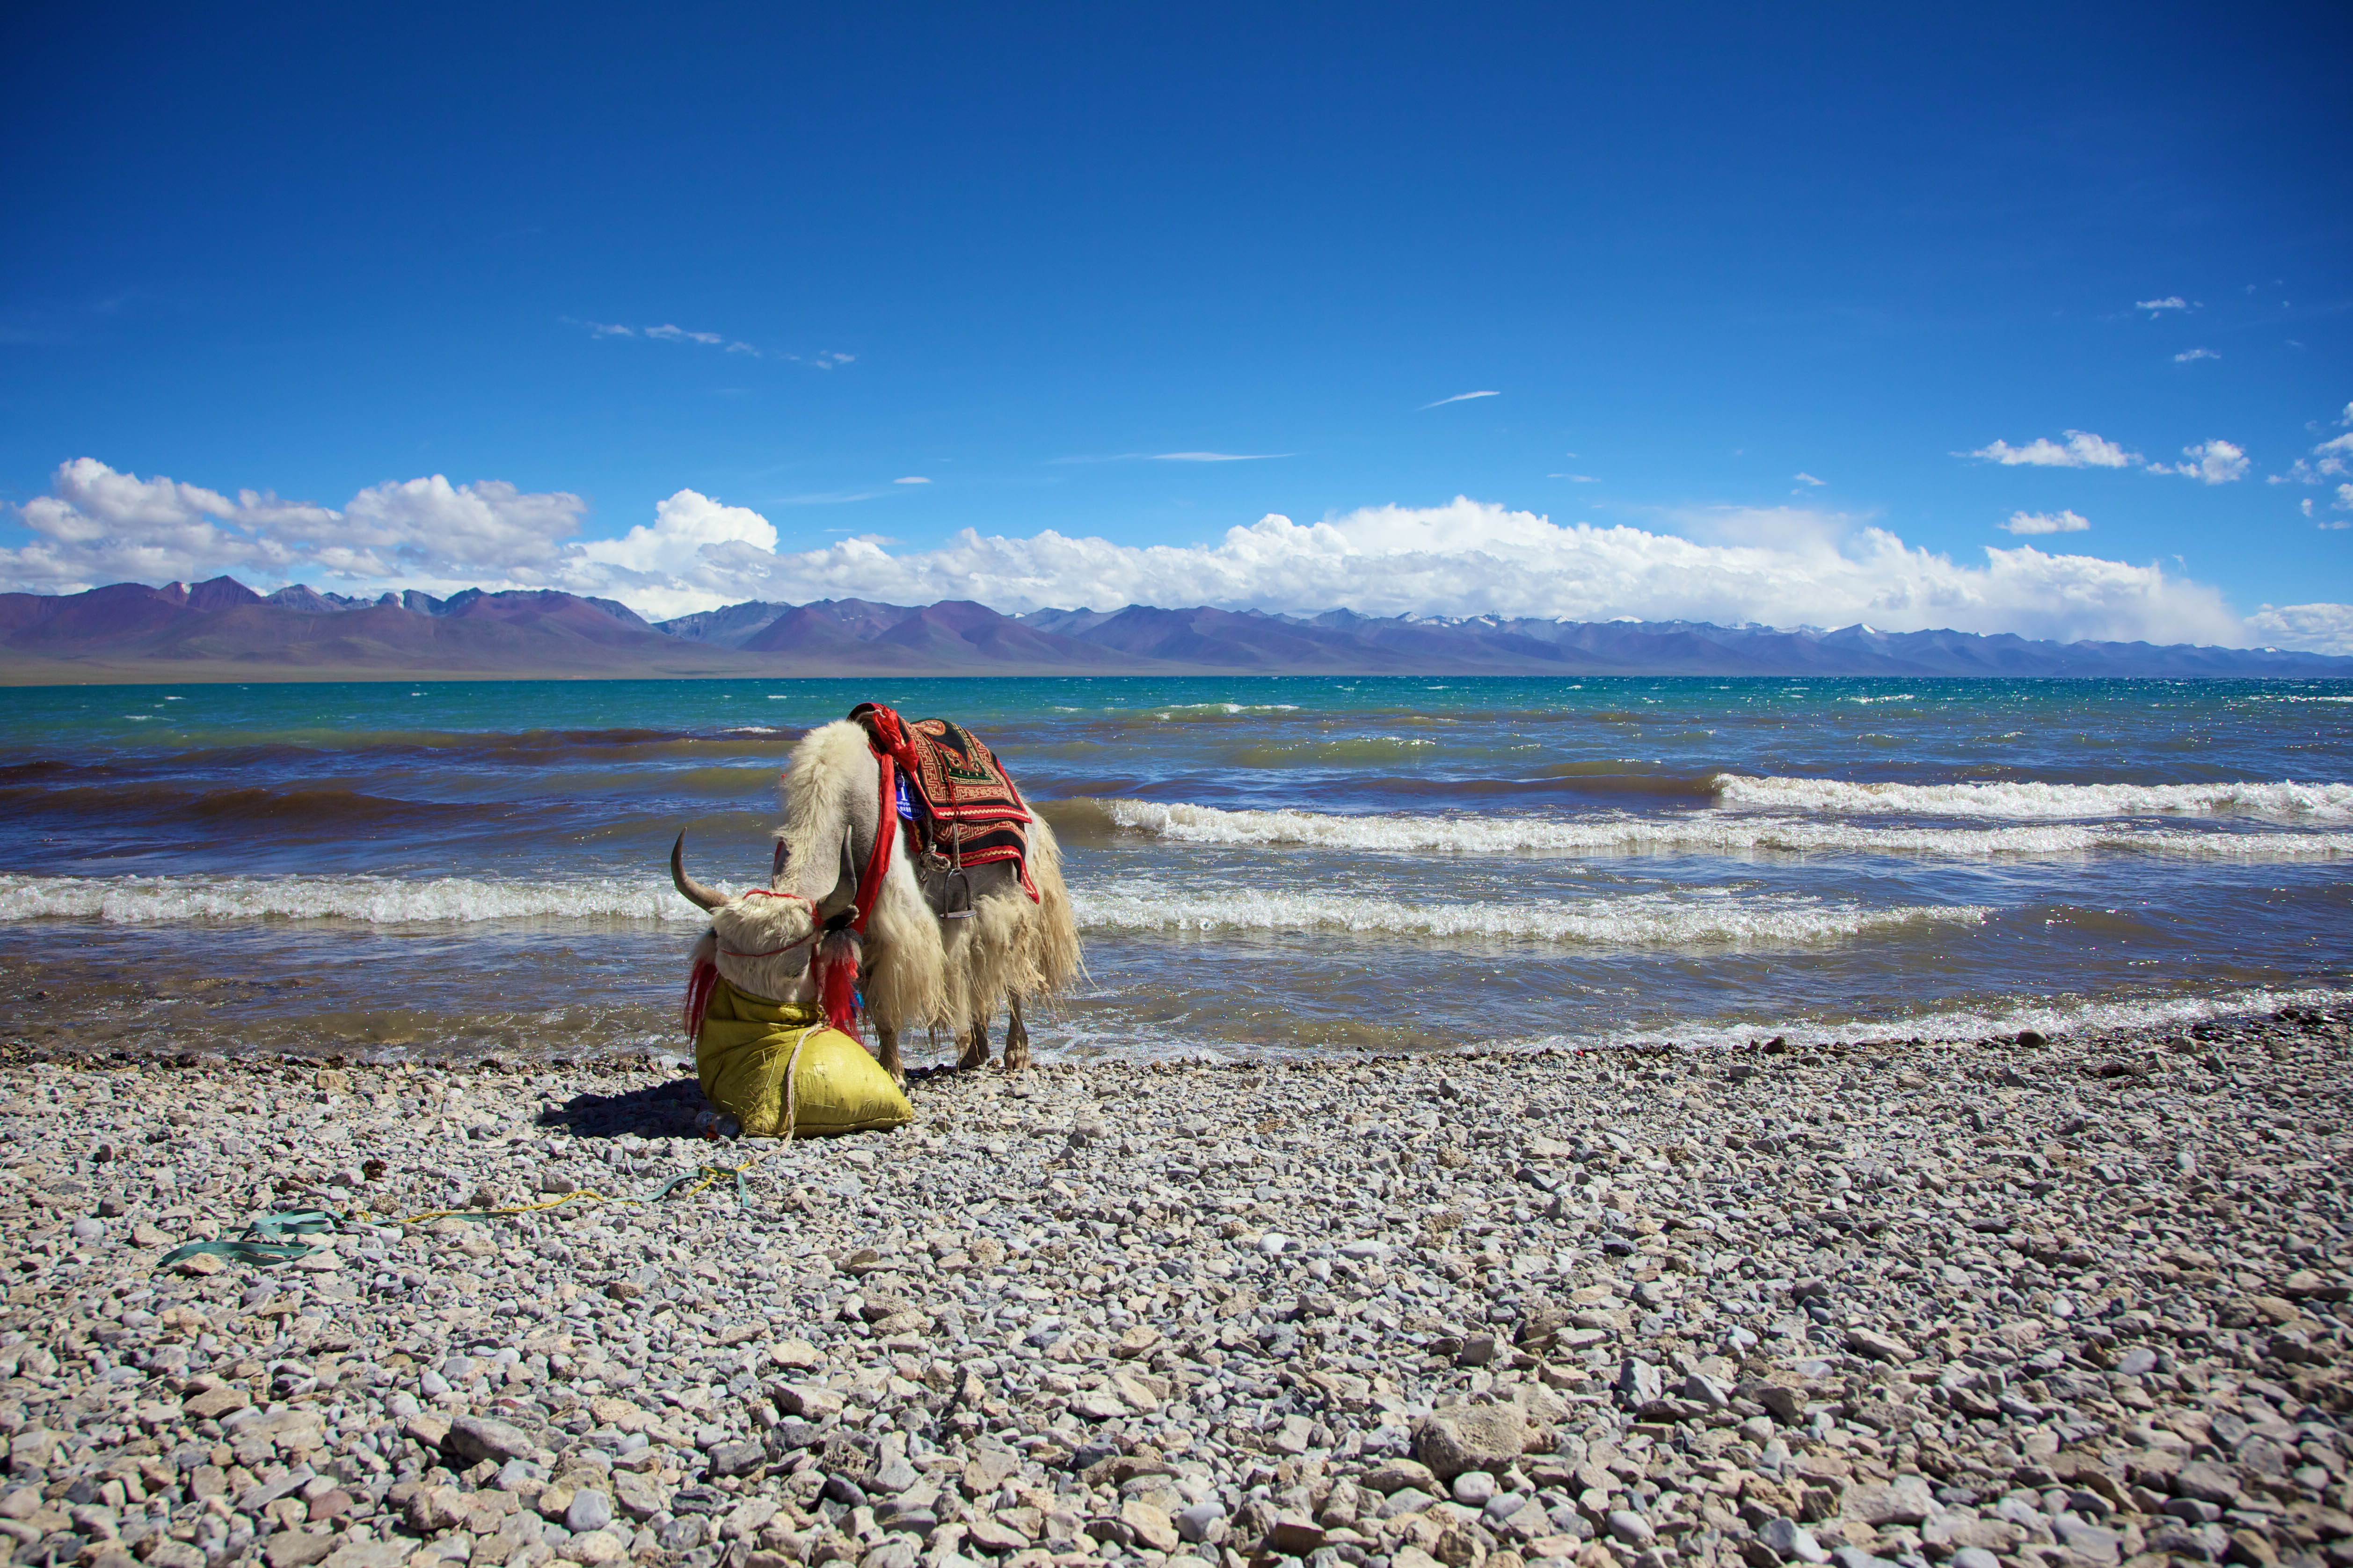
701	896
844	896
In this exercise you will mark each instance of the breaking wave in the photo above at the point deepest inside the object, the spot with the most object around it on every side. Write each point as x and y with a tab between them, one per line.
1631	922
370	900
1705	832
2035	799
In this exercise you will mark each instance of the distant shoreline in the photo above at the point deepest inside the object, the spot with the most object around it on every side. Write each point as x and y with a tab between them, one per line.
23	678
222	630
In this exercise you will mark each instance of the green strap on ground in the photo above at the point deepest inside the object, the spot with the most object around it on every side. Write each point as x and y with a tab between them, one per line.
276	1238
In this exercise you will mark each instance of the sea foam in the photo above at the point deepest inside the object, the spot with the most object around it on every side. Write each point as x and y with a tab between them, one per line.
1696	832
369	901
2285	799
1639	921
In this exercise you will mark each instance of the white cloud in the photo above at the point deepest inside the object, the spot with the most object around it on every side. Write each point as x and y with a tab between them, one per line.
2083	450
1218	457
1458	397
2331	456
2217	462
2045	522
912	480
1804	479
1574	479
668	332
2345	498
2305	505
2311	628
2170	302
1781	564
98	526
683	525
2191	355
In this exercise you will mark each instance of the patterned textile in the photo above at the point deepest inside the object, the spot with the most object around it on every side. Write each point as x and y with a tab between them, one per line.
969	811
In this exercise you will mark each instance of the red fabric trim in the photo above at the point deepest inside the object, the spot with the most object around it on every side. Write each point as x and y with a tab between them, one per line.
836	967
886	839
699	987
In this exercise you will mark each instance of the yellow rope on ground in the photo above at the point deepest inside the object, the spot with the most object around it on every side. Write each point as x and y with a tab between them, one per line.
267	1239
710	1173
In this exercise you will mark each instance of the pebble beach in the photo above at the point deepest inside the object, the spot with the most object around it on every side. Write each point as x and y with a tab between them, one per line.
2011	1303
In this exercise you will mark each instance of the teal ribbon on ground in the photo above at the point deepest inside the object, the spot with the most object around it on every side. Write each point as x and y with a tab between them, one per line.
276	1238
266	1240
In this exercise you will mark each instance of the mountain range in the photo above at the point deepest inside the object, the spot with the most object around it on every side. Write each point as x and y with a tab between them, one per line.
221	629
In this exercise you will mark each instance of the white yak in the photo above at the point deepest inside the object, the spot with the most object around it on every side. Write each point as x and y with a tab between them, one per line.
914	969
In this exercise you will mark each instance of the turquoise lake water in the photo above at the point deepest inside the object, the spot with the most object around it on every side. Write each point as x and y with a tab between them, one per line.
1259	863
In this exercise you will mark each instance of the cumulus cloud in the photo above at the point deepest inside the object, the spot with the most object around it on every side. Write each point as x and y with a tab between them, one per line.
683	527
2081	449
2333	456
2188	356
2310	629
1458	397
2170	302
2045	522
1781	564
912	480
98	526
2217	462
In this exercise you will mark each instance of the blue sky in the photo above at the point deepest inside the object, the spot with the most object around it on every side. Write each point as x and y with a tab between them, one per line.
1746	286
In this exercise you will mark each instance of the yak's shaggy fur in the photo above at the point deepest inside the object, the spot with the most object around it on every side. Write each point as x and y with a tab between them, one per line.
916	970
832	788
1011	949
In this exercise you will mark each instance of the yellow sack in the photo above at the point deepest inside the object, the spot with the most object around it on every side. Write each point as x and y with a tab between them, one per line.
747	1044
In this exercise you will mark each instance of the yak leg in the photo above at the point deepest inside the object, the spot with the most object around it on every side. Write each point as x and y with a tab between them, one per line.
887	1052
1016	1038
975	1048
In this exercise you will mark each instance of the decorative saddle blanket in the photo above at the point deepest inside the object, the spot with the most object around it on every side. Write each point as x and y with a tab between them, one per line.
958	801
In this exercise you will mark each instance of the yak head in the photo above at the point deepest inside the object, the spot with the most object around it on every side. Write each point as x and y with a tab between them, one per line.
762	938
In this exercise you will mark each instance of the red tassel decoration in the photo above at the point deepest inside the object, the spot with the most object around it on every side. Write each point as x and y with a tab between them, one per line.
836	981
699	987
